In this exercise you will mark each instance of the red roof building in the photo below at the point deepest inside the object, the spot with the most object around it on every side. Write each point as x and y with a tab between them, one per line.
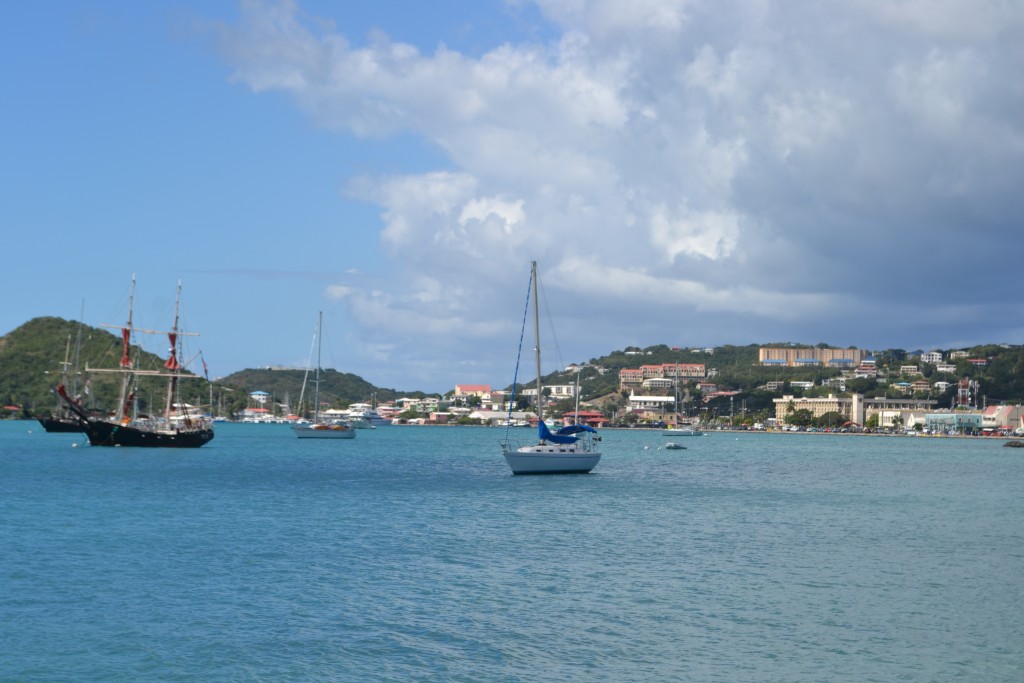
592	418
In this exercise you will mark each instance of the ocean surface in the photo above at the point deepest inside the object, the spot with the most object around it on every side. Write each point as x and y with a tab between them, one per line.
412	554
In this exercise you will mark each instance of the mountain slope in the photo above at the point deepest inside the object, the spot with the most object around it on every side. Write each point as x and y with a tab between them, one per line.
32	357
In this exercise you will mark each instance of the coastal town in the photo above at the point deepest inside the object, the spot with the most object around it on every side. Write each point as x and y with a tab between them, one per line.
924	394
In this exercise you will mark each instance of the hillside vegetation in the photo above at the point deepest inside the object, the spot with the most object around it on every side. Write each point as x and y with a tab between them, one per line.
339	389
32	356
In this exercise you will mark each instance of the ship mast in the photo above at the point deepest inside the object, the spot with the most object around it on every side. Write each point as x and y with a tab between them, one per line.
172	361
126	361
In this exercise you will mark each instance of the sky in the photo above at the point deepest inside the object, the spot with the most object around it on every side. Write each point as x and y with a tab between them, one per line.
685	172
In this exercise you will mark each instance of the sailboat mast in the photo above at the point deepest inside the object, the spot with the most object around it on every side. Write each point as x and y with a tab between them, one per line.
316	382
536	340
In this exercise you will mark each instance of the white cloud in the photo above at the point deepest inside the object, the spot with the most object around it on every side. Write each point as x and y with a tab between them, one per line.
612	18
338	292
709	234
976	20
762	160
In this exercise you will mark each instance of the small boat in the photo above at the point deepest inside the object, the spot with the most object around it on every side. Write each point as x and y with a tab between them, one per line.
676	430
324	430
570	450
673	446
681	431
365	416
177	427
359	422
318	428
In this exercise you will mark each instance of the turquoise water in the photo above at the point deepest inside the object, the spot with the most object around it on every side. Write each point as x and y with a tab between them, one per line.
411	554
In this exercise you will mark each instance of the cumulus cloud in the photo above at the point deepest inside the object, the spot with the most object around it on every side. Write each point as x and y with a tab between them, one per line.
768	167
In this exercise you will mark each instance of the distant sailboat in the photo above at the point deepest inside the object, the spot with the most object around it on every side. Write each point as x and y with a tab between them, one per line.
675	429
570	450
318	428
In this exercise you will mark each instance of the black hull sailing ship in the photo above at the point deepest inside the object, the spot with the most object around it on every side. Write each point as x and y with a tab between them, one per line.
56	423
180	426
107	433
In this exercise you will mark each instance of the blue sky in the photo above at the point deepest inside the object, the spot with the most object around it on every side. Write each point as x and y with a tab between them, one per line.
689	173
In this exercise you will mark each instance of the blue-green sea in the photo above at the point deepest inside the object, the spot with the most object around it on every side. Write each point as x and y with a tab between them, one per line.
412	554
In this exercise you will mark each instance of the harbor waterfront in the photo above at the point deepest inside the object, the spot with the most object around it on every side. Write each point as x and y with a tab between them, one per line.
412	554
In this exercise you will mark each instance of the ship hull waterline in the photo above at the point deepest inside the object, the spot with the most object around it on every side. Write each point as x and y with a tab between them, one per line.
329	433
546	462
110	434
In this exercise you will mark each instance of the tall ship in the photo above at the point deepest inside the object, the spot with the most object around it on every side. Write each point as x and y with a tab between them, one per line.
178	425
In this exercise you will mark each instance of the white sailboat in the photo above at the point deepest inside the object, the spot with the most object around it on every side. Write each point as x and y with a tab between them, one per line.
570	450
676	429
318	428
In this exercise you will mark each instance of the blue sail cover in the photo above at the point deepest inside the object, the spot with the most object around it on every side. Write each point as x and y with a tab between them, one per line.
546	435
576	429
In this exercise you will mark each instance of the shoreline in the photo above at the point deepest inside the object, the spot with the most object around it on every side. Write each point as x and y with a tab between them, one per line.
658	430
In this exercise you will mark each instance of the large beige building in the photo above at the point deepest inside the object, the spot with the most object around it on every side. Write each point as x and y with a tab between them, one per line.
632	378
792	356
854	407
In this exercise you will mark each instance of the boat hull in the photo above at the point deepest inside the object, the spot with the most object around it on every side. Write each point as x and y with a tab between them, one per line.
682	432
61	424
102	433
547	460
330	432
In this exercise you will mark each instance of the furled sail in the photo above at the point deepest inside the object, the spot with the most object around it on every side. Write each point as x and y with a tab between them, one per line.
546	435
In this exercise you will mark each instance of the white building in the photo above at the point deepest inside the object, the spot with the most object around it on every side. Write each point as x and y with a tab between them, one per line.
557	391
650	402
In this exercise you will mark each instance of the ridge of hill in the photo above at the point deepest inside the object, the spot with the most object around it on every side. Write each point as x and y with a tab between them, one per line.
33	355
31	358
285	385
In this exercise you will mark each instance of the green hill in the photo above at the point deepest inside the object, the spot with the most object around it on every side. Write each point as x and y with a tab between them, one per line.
31	358
338	389
33	355
998	368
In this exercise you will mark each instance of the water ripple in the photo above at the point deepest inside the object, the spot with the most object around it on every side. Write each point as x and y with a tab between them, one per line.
411	554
